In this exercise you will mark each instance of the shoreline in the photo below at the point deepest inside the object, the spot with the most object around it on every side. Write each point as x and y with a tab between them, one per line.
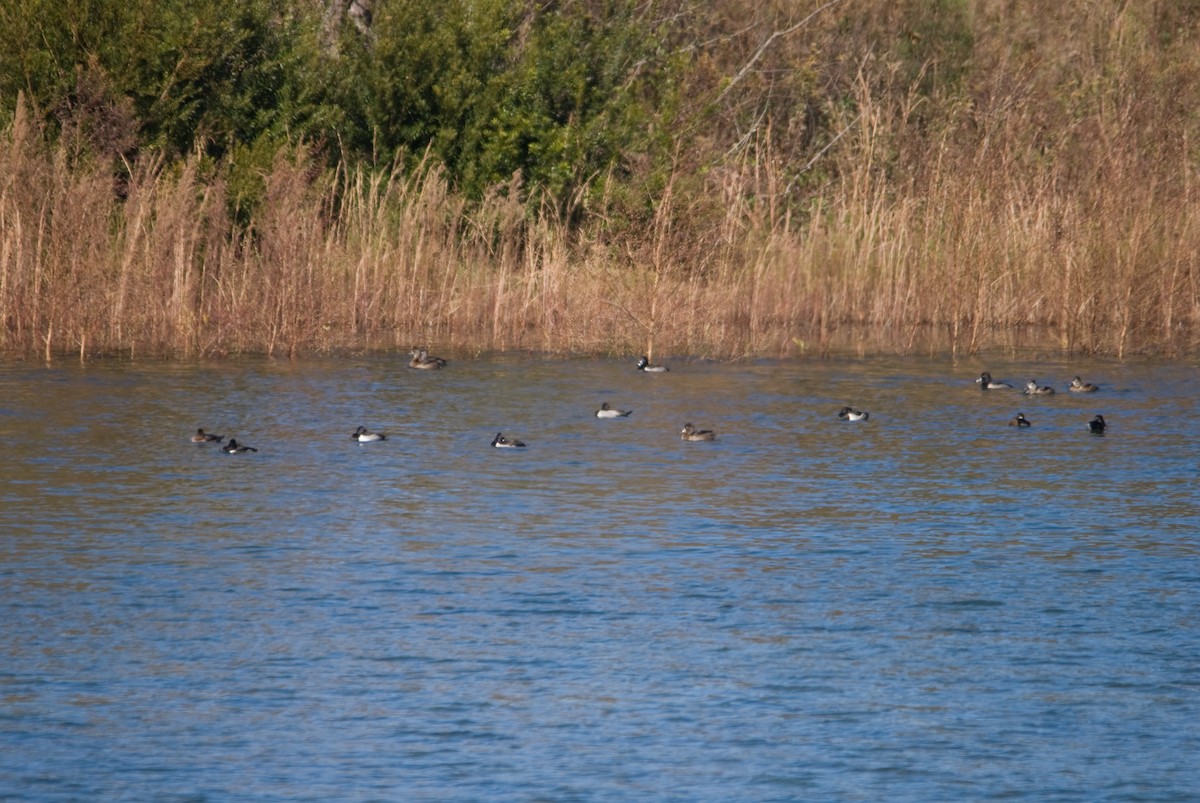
848	343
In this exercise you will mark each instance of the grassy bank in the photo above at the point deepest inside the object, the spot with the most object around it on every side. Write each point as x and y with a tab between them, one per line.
993	175
350	258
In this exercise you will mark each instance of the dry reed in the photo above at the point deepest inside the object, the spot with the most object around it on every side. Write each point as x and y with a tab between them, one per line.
975	248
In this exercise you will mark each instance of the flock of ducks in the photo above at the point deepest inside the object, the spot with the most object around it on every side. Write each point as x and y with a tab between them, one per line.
421	360
1096	426
1032	388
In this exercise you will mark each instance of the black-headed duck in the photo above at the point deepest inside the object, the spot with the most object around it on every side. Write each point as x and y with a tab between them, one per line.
986	382
609	412
643	364
364	435
501	442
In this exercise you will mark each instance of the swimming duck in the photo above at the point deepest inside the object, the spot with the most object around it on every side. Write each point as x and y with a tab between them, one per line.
1020	421
690	433
1079	386
1033	389
363	435
1097	425
501	442
643	364
608	412
986	382
421	359
850	414
203	437
233	447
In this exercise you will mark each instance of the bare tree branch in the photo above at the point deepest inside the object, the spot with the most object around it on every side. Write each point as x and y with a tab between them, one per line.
758	54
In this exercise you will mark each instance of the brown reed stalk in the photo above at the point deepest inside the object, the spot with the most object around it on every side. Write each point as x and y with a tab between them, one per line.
989	237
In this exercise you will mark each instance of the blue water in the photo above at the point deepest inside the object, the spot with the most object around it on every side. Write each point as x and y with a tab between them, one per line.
929	605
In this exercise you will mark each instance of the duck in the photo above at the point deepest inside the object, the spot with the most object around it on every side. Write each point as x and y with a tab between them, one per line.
1020	421
1079	386
986	382
501	442
233	447
421	359
850	414
690	433
1097	425
608	412
203	437
1033	389
643	364
364	435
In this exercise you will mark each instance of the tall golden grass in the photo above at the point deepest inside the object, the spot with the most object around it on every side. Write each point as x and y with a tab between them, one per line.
974	247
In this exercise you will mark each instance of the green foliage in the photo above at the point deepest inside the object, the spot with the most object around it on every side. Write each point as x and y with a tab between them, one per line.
246	168
43	43
493	87
193	71
560	93
580	97
413	83
229	72
569	112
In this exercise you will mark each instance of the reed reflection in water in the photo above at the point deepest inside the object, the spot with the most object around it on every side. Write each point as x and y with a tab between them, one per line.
925	605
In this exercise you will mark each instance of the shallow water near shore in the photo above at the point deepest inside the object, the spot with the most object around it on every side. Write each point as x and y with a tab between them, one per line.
928	605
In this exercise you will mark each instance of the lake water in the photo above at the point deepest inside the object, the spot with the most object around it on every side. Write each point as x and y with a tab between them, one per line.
926	606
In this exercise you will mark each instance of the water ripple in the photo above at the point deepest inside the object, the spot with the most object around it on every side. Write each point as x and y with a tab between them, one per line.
925	606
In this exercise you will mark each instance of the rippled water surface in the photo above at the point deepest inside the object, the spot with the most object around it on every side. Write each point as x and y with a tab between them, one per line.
929	605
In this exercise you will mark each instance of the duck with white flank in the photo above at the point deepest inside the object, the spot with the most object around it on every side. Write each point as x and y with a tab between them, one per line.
850	414
986	382
643	364
364	435
609	412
